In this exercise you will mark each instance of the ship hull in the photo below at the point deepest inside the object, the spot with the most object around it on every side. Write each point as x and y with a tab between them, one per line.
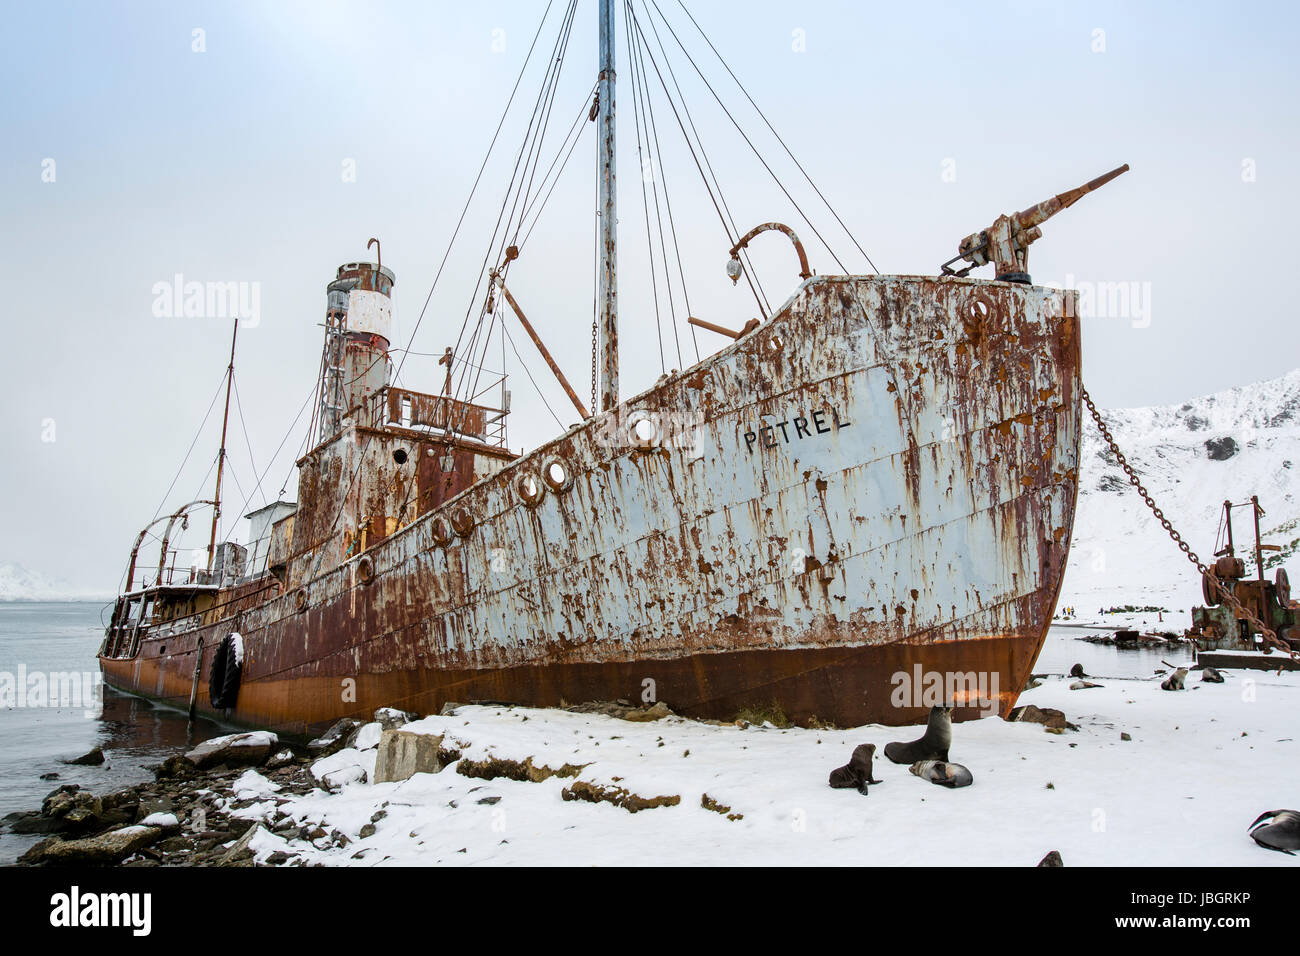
860	508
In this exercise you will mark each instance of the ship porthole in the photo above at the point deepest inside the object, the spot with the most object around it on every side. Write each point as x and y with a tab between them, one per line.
980	309
365	569
643	430
556	475
529	489
442	532
300	600
462	522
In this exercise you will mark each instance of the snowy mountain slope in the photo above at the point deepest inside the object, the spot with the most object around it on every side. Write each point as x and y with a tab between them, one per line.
17	583
1191	457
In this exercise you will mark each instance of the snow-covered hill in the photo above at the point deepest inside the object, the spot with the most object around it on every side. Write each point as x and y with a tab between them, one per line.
17	583
1191	457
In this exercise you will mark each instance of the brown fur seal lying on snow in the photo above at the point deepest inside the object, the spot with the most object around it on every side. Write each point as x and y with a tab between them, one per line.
933	745
857	772
944	773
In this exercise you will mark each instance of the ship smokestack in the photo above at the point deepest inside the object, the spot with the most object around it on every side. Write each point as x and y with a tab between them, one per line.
358	332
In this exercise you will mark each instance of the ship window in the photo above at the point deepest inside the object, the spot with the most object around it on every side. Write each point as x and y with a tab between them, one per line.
529	489
644	431
556	475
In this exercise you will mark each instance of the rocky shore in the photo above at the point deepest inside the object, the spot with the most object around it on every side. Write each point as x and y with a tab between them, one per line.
217	805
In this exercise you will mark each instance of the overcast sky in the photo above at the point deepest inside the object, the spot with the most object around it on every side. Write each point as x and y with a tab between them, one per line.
264	143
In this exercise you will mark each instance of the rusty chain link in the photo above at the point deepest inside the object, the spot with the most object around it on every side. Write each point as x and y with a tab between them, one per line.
1264	631
595	347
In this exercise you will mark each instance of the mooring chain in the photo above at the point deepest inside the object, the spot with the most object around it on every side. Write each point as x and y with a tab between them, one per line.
1264	631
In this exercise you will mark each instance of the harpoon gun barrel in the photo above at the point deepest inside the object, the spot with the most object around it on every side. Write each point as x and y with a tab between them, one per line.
1006	242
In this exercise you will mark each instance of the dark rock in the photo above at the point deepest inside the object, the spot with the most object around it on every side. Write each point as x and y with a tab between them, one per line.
390	718
1053	858
334	739
163	804
240	851
1125	736
36	853
49	776
234	750
281	759
107	848
115	818
369	829
92	759
1220	449
128	798
32	821
176	768
277	858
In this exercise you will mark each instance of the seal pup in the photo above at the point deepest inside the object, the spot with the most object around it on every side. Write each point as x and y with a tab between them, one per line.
1283	834
943	773
1211	675
1175	680
1077	671
934	743
857	772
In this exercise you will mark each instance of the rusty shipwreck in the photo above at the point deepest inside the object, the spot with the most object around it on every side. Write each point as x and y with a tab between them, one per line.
873	486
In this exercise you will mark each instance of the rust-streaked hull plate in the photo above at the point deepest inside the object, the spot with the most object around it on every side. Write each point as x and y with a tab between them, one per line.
876	486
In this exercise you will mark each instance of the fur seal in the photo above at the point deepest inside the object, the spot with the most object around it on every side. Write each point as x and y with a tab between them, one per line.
1211	675
857	772
1175	680
933	745
1077	671
945	774
1283	834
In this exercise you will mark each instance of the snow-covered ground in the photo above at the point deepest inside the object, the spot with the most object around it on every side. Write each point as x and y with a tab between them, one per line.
1121	556
1202	764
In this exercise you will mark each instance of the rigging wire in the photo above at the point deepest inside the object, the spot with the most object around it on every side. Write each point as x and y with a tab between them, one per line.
661	173
190	450
657	173
775	178
763	116
446	255
636	116
248	441
532	134
511	340
728	223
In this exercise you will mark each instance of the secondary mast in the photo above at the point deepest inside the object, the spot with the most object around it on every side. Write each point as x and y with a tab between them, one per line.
608	291
221	455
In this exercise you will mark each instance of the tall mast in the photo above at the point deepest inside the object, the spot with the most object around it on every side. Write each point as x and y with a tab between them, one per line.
221	455
608	293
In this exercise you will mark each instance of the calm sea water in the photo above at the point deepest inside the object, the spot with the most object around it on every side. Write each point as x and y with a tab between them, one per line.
44	639
53	638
